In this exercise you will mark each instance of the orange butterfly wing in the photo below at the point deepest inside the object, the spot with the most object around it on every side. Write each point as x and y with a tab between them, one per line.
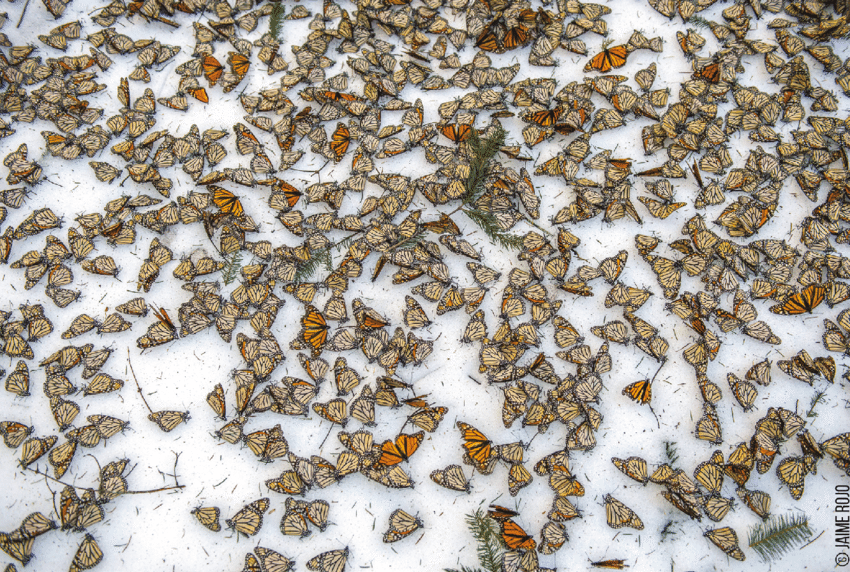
340	141
608	59
516	538
394	452
212	69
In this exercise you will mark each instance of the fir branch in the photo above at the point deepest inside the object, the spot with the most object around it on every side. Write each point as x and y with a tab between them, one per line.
276	19
779	535
409	242
818	397
463	569
699	22
320	257
488	223
486	533
671	452
483	152
231	267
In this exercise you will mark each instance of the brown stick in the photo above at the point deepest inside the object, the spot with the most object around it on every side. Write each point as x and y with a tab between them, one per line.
137	381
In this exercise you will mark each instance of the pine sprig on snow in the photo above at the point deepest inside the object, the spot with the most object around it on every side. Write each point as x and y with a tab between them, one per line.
275	20
321	257
488	223
816	398
779	535
671	452
483	152
486	533
231	267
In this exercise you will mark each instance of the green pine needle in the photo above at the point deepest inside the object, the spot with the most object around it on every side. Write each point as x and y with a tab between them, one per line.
667	530
463	569
483	152
779	535
276	19
671	452
411	241
321	257
231	267
486	533
699	22
817	398
488	223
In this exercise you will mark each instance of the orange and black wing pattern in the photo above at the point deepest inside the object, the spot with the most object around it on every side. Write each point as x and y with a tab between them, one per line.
608	59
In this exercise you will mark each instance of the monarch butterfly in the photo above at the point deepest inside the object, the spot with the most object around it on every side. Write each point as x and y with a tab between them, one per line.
402	525
226	201
346	378
294	523
552	537
60	457
401	449
289	482
452	477
215	399
212	69
34	448
340	141
565	484
515	538
745	392
639	391
14	433
633	467
314	330
488	41
18	381
334	411
414	315
792	472
456	132
619	515
756	501
238	63
34	525
809	445
477	446
113	324
64	412
562	510
727	541
717	507
428	418
78	514
167	421
88	555
708	426
518	478
608	59
249	520
273	561
710	473
331	561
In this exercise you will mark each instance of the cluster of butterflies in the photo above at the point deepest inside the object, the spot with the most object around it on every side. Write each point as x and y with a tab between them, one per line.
692	130
76	514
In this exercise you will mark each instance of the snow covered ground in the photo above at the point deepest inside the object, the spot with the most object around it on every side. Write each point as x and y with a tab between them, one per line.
158	532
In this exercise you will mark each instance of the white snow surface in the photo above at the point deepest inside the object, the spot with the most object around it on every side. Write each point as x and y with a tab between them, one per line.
157	532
